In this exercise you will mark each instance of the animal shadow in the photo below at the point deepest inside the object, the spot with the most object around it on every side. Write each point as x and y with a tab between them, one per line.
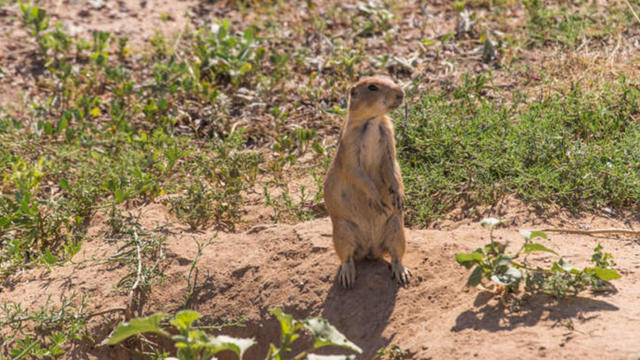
498	316
362	312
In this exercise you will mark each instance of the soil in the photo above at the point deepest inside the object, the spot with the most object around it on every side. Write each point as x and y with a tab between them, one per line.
294	267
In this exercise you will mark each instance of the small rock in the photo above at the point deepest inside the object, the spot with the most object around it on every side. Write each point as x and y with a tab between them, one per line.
96	4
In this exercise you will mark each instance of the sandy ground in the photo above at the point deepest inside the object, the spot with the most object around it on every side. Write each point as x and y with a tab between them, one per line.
294	267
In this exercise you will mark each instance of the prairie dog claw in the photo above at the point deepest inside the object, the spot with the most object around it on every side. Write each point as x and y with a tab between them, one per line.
400	273
347	274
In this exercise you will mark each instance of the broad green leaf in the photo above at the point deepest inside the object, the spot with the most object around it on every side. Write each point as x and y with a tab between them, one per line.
503	260
238	346
510	277
317	147
330	357
491	248
184	319
120	196
49	258
64	184
137	326
469	259
475	277
606	274
446	37
326	334
427	42
562	266
490	222
531	247
287	323
530	234
273	351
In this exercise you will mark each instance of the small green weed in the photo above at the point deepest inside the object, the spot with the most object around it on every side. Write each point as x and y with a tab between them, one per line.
305	208
196	207
393	352
371	19
214	192
142	253
36	21
193	343
42	333
493	263
564	25
224	57
32	227
193	268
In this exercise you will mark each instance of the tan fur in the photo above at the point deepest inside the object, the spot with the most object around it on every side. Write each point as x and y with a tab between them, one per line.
363	190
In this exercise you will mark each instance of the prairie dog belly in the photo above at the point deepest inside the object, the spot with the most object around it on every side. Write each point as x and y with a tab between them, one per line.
371	244
371	148
370	225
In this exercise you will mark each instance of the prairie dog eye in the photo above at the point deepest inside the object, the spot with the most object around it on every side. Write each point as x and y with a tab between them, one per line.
373	87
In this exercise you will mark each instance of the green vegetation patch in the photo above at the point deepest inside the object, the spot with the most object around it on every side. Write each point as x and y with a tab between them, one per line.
576	149
192	343
561	279
107	131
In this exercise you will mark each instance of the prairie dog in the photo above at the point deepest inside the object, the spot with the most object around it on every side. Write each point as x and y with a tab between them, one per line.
363	190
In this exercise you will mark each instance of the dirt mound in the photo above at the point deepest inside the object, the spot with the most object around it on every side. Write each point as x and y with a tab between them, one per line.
294	267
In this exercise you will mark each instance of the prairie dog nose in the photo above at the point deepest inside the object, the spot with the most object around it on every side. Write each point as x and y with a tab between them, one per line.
398	97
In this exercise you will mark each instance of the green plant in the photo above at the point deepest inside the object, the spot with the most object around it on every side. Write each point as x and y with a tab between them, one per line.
493	263
371	19
139	251
324	334
224	57
192	343
37	22
192	268
346	60
304	208
393	352
218	175
565	25
575	149
196	207
42	333
30	226
142	252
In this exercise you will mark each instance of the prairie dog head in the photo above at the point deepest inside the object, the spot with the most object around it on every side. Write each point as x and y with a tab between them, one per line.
374	96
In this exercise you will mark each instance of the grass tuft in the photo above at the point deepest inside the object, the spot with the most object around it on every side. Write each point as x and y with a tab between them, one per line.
576	149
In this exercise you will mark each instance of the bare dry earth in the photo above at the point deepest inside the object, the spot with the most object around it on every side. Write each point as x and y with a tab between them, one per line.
294	267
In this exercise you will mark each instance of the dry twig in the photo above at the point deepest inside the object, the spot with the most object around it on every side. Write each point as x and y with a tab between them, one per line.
593	232
132	292
632	11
